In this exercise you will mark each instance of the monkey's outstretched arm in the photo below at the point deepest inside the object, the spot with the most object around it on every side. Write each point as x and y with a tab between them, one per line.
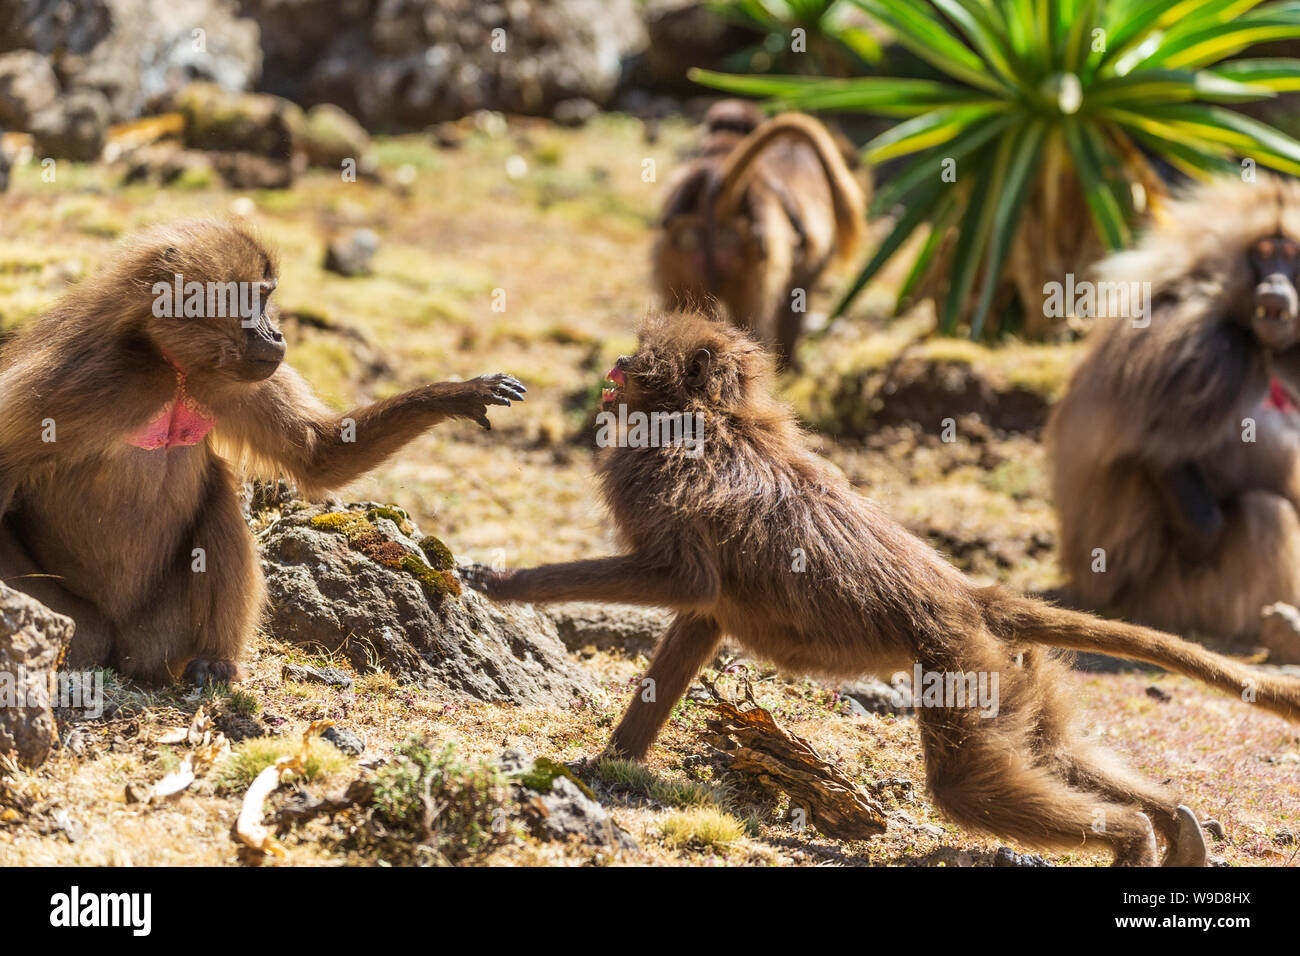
1191	509
287	427
680	582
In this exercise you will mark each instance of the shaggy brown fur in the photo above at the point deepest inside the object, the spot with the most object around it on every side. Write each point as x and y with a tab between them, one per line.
719	536
1199	528
107	532
762	210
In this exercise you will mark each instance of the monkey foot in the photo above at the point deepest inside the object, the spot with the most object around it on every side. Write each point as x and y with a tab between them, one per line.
1141	850
207	670
480	577
1188	849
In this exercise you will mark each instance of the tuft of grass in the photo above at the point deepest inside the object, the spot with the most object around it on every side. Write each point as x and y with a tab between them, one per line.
251	757
701	828
243	702
440	802
377	684
672	793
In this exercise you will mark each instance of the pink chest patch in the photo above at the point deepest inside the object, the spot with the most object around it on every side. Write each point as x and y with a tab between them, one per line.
182	421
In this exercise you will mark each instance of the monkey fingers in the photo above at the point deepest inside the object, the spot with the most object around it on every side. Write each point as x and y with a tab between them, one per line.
498	389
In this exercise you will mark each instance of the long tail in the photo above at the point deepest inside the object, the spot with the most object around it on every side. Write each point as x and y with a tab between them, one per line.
1018	618
847	199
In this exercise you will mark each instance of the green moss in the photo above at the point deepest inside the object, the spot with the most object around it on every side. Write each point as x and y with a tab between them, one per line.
394	514
435	575
541	777
439	554
436	583
348	523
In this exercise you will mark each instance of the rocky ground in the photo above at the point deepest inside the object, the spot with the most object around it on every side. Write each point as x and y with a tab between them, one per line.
552	226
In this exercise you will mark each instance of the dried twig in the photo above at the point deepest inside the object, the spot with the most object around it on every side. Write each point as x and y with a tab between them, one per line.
753	743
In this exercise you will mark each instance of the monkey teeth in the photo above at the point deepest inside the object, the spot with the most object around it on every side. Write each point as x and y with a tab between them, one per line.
607	395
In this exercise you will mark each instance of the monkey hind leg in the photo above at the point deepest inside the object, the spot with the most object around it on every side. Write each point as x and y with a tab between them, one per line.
1256	563
684	649
92	639
986	777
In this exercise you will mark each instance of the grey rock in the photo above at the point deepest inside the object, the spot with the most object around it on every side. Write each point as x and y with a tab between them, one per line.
32	640
348	741
1005	856
876	697
323	593
563	811
350	255
27	86
331	137
1279	632
406	64
136	53
578	111
609	626
73	127
305	674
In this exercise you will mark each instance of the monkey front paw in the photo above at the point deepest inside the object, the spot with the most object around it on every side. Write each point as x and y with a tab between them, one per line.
498	389
483	579
207	670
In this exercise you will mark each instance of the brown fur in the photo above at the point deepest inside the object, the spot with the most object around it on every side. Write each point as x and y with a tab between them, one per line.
1175	395
105	531
716	537
762	210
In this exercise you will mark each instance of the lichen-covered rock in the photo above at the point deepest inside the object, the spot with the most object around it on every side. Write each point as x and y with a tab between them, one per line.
32	641
362	582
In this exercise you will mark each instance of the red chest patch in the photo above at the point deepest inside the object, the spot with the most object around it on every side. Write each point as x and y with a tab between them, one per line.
182	421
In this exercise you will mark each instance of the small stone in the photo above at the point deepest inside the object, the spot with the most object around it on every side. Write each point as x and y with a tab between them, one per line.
1155	692
350	255
1005	856
305	674
578	111
345	740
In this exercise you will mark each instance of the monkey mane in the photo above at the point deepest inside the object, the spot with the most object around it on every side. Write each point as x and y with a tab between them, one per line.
1205	232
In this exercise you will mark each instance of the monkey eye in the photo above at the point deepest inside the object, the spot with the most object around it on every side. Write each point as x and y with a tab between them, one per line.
1265	247
1290	250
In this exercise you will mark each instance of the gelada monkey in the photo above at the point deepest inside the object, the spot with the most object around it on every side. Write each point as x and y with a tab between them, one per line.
119	508
1176	483
761	211
712	529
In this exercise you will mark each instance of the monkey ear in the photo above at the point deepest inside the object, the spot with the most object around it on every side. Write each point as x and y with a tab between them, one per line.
697	370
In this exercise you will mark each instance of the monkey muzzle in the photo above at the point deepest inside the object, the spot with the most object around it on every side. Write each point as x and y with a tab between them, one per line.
264	349
1276	312
617	378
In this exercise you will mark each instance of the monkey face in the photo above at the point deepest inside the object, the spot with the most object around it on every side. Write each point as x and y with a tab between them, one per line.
1275	318
687	362
211	304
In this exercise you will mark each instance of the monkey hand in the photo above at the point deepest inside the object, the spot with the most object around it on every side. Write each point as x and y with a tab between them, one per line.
484	579
479	393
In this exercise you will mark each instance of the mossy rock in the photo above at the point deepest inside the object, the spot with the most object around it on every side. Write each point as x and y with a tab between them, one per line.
217	119
436	578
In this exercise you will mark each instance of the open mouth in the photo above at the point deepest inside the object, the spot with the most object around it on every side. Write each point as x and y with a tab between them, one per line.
615	379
